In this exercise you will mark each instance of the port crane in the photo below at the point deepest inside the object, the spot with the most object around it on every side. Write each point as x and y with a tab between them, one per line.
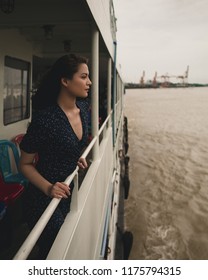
165	79
154	81
142	79
184	78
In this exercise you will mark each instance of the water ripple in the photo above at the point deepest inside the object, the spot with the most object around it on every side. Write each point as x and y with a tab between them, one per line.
168	203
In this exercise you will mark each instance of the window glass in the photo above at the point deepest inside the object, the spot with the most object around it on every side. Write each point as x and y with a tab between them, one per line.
16	90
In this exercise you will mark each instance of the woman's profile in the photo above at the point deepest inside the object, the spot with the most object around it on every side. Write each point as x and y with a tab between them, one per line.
58	134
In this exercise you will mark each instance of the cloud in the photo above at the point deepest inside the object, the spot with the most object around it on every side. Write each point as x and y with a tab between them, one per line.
162	35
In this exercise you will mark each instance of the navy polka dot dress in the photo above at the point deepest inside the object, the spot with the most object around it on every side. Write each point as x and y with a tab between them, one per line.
52	137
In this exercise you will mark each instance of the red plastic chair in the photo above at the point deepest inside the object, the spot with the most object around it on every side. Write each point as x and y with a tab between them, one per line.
11	197
9	192
17	140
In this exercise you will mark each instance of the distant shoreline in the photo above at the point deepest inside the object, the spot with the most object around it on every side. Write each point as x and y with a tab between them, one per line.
161	85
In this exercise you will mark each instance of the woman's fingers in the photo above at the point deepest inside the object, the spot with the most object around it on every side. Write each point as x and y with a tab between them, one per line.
82	163
60	190
64	187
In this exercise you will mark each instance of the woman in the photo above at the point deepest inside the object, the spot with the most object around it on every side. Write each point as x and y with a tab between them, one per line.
58	134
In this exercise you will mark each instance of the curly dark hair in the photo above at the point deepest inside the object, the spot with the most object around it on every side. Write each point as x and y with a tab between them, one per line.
49	86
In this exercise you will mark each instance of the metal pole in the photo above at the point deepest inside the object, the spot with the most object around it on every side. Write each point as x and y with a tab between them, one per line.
95	90
114	92
109	86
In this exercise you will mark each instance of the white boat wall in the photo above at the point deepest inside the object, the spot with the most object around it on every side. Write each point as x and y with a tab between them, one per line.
33	35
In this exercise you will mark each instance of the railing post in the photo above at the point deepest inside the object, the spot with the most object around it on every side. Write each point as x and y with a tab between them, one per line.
114	94
95	90
75	202
109	86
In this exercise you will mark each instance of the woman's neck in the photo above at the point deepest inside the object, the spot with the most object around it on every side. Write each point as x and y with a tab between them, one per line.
66	102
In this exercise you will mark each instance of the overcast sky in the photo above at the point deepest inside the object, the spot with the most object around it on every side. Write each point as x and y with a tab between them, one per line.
163	36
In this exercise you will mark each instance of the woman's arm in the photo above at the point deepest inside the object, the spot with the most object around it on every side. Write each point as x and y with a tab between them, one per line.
58	190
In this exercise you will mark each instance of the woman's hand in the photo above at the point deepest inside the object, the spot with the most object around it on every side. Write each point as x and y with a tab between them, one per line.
59	190
82	163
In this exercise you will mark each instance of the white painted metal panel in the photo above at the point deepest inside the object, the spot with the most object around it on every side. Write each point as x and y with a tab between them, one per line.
81	234
101	13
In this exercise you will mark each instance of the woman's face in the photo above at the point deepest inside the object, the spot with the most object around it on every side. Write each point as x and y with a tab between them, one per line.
80	83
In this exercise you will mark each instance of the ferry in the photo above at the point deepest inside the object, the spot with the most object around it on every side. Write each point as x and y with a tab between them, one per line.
33	35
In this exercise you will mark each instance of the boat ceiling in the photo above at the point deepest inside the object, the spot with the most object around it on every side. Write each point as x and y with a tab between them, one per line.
71	20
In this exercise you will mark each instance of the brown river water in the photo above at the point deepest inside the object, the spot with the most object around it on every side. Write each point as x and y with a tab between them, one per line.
167	208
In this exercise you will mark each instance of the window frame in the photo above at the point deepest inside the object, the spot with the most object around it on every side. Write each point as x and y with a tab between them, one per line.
24	67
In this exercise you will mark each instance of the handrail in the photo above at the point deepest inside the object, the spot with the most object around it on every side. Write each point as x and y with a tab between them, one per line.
35	233
104	124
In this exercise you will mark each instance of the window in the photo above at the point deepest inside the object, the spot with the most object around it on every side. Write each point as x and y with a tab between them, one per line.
16	90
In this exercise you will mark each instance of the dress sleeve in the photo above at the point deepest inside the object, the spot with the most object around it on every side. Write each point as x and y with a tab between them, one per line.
35	137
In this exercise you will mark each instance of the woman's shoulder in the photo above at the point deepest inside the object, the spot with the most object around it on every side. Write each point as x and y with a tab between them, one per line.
46	112
44	115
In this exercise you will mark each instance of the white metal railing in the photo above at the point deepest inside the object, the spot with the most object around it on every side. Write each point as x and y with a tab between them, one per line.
112	231
108	216
35	233
81	236
105	123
